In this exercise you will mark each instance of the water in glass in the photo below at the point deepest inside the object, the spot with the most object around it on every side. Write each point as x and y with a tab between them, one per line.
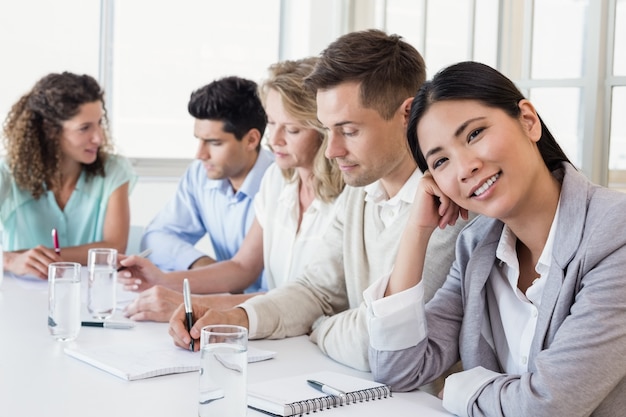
64	309
222	390
101	292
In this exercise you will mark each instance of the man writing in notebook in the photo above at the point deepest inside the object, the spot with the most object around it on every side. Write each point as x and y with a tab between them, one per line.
215	195
365	83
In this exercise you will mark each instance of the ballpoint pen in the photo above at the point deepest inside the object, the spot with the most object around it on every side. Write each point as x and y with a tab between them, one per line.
107	324
55	241
326	389
188	310
143	254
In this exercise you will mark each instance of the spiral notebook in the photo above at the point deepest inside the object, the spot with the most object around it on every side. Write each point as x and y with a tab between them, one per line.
292	396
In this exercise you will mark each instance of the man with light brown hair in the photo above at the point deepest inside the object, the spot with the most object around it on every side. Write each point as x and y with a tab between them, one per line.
365	83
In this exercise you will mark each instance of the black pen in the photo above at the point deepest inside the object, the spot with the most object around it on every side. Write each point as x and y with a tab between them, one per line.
326	389
143	254
188	310
107	324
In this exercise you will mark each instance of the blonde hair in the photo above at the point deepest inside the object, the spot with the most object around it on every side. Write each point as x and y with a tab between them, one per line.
286	78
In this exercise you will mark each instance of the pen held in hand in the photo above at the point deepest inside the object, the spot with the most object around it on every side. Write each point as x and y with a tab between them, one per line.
55	241
143	254
188	310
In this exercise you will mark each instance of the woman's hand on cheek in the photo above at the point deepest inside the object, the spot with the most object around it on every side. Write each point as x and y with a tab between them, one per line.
431	207
438	210
450	212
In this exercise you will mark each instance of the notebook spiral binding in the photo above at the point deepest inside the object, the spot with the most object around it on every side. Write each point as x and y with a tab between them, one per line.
325	403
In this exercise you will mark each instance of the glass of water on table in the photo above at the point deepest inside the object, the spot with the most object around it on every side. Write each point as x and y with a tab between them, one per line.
223	371
102	282
64	300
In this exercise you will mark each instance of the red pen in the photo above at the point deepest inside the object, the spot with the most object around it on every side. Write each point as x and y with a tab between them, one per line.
55	242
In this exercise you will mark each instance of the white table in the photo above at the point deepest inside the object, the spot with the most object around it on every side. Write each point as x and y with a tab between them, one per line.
38	379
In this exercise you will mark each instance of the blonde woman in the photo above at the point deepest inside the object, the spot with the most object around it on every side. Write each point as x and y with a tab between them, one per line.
294	207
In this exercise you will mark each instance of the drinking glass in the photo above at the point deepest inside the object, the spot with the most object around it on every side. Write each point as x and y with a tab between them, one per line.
102	264
223	371
64	300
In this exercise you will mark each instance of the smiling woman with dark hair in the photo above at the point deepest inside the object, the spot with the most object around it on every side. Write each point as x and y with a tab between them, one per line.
59	174
534	304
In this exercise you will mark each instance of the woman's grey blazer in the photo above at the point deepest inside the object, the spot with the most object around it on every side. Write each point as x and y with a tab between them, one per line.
577	363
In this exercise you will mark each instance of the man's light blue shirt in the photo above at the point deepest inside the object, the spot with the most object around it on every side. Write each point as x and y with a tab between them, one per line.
205	206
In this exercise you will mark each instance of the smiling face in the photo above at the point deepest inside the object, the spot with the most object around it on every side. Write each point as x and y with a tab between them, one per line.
293	144
365	146
83	134
483	159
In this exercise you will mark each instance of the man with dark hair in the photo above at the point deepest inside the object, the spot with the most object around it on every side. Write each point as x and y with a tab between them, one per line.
215	195
365	84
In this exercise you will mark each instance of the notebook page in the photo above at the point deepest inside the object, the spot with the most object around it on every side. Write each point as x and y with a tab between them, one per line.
135	360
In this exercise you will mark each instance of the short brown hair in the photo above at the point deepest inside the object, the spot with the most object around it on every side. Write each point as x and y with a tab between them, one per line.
388	69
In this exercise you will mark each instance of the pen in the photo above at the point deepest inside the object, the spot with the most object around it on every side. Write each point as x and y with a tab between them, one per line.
143	254
55	241
188	310
107	324
326	389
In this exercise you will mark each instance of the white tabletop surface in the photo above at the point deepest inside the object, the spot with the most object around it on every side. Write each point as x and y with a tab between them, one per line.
38	379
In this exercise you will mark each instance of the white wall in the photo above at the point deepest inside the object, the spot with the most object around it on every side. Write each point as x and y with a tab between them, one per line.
147	198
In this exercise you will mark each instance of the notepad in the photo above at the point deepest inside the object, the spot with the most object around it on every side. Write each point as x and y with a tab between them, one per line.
292	396
133	360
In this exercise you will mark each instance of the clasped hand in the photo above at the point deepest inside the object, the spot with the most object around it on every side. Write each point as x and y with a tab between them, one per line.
33	262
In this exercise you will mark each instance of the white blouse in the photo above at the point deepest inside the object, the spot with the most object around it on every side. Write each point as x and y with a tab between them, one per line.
287	250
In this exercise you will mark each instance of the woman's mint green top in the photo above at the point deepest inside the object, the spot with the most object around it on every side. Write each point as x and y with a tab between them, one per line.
28	222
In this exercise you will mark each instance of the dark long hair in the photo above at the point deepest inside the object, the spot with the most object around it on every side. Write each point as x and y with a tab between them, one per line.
475	81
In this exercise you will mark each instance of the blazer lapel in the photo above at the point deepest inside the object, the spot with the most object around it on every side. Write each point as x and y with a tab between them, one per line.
572	213
476	345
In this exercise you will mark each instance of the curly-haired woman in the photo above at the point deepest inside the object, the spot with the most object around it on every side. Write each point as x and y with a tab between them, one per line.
58	173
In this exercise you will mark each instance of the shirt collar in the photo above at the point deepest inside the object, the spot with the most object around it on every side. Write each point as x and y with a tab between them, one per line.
545	260
506	248
252	182
507	253
375	192
289	193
